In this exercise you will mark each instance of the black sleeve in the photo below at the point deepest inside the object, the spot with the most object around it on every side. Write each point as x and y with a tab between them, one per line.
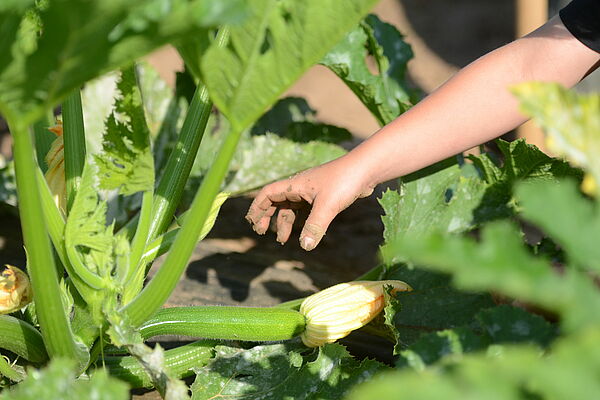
582	19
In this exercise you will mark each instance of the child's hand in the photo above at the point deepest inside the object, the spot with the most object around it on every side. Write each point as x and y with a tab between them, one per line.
328	189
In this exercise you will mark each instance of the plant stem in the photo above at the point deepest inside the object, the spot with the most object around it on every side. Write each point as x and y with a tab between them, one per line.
74	142
22	339
141	235
180	363
181	160
51	315
179	165
162	285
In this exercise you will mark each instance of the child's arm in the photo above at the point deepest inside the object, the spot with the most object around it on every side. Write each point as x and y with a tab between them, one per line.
471	108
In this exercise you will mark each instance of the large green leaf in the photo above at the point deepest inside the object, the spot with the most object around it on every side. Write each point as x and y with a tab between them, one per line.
284	141
500	262
81	39
493	326
459	197
571	121
568	218
57	382
569	371
280	371
445	200
266	158
278	42
293	118
126	161
436	308
385	94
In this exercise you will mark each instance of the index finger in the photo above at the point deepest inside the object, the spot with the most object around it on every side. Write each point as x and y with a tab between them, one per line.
278	194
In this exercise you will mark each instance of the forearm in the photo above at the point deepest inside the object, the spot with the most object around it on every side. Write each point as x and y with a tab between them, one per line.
474	106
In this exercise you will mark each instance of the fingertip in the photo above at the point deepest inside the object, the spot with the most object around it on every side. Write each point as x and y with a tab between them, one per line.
311	236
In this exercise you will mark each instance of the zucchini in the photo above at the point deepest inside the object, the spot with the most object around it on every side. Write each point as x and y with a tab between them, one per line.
179	362
231	323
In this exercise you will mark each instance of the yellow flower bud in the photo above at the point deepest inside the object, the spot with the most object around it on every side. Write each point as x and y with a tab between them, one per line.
15	290
333	313
55	159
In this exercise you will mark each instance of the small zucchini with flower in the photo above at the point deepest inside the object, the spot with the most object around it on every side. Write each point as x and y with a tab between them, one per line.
323	318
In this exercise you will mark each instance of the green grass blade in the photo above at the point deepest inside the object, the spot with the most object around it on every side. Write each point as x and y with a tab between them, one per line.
74	142
54	323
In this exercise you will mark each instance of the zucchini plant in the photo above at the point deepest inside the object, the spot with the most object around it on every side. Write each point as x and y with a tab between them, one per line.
92	309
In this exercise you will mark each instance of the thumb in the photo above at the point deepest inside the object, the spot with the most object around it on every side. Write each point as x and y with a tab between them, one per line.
316	224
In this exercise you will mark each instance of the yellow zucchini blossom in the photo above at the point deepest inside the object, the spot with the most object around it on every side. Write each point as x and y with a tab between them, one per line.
55	175
333	313
15	290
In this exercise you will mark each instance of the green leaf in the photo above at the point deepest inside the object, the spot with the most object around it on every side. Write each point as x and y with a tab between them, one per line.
126	161
282	143
500	262
11	13
460	197
493	326
437	308
156	96
279	40
80	39
568	218
571	121
568	371
8	186
521	161
266	158
280	371
385	94
57	381
505	324
445	200
292	118
87	238
432	347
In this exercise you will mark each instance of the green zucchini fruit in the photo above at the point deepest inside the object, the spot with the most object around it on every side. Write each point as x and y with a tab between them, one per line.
179	362
231	323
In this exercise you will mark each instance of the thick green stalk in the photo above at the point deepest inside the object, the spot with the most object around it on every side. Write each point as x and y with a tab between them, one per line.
181	160
53	321
180	362
134	280
230	323
162	285
24	340
179	165
74	142
141	235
